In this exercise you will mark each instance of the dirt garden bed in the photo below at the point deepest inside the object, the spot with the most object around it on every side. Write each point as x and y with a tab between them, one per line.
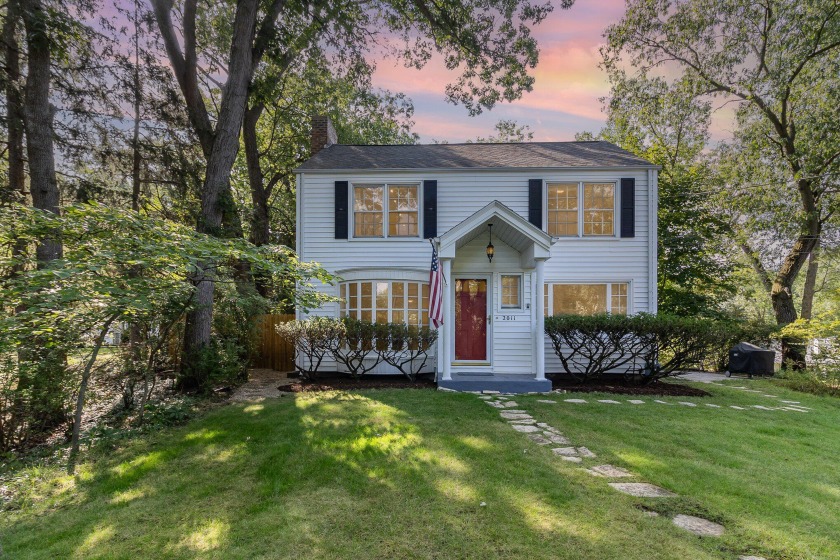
621	387
342	383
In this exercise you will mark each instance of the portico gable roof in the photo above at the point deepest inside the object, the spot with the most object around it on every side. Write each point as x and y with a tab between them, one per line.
508	226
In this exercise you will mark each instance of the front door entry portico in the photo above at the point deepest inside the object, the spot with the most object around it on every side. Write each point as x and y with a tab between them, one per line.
471	320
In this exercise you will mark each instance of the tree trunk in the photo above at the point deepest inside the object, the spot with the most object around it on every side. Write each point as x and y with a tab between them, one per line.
781	294
806	309
39	123
14	109
216	198
49	367
259	193
80	398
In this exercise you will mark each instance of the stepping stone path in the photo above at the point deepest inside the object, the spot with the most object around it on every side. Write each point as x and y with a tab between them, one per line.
543	433
699	526
642	490
609	471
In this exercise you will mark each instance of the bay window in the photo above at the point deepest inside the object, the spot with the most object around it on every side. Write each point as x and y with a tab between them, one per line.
387	301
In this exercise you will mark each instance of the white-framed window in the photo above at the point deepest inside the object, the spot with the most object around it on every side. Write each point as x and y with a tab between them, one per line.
580	209
511	291
386	210
586	298
386	301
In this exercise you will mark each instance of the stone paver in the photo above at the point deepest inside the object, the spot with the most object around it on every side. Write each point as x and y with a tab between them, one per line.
509	404
565	451
609	471
576	401
525	428
558	439
515	415
703	377
262	384
584	452
546	401
758	406
571	459
539	439
662	402
791	402
523	421
636	401
699	526
642	490
608	401
710	405
736	407
485	397
790	408
686	403
752	558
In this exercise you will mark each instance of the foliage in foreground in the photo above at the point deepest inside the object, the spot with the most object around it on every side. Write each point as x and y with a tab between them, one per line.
641	347
358	346
118	268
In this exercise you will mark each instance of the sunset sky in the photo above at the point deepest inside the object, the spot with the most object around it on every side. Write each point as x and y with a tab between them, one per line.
565	96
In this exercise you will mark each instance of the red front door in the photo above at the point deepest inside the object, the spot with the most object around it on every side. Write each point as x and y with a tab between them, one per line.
471	320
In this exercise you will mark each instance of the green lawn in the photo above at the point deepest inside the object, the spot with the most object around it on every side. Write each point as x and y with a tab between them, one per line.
402	474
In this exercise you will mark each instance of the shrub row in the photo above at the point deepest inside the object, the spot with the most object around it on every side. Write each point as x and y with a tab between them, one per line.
641	347
359	346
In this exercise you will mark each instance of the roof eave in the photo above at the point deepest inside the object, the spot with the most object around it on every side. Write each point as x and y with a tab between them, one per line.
467	169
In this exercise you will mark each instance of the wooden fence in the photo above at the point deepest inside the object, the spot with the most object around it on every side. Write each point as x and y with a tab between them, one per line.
273	351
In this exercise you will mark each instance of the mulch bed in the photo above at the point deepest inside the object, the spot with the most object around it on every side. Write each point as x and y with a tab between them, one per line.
347	384
657	388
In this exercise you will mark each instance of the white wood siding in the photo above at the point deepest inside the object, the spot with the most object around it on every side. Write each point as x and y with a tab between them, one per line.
460	194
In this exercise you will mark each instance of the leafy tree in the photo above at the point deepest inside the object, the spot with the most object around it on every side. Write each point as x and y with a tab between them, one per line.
506	131
95	284
490	42
778	62
668	124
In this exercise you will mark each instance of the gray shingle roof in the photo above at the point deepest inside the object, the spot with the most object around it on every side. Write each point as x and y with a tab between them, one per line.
467	156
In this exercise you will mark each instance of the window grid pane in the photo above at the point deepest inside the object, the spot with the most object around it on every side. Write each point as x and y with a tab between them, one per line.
368	210
618	305
511	291
579	299
598	208
403	212
562	209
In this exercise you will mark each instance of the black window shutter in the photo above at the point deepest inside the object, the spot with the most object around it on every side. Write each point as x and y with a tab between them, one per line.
628	208
535	198
429	209
342	191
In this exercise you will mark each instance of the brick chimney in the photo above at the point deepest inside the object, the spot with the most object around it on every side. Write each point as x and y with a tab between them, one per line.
323	134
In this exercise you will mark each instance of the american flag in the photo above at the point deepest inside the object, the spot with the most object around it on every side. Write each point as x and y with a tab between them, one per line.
435	291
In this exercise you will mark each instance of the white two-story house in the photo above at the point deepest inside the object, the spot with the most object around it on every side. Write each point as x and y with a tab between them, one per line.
572	227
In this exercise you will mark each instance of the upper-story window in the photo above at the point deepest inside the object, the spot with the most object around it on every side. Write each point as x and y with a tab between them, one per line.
586	299
580	209
375	205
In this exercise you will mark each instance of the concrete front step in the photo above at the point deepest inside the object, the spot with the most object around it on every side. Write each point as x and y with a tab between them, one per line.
500	383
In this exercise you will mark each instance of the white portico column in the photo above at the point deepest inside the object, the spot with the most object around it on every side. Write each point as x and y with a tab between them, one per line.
540	334
444	336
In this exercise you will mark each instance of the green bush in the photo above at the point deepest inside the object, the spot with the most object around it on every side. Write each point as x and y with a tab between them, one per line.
357	345
640	347
313	340
405	347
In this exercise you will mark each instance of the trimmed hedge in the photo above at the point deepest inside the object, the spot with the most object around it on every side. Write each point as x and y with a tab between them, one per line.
358	345
640	347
